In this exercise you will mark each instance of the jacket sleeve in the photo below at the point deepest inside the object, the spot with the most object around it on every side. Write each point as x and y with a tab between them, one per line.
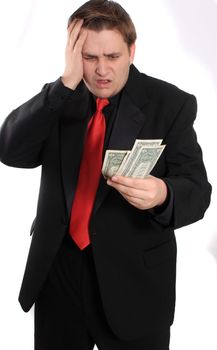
186	174
26	129
164	213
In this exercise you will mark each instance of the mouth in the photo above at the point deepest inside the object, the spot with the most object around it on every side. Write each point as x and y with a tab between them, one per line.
102	83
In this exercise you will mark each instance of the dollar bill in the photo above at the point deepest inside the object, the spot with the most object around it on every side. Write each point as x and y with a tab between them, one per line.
112	161
128	161
138	162
144	162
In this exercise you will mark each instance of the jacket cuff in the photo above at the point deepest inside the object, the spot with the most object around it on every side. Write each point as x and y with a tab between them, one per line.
164	213
59	93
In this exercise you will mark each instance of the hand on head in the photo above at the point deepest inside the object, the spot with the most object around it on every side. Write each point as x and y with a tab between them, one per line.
73	72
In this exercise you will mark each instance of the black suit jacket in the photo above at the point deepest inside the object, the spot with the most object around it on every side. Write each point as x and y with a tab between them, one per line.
134	250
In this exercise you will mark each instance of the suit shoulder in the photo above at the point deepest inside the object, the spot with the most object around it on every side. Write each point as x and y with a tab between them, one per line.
163	89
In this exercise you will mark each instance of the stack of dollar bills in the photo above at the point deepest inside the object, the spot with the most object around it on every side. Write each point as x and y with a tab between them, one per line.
138	162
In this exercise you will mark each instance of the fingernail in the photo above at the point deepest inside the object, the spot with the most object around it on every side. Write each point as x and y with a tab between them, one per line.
114	178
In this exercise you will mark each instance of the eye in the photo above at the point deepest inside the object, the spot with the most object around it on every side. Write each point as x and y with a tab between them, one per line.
113	57
89	58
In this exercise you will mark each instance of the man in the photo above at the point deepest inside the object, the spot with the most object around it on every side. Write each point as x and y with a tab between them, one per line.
102	262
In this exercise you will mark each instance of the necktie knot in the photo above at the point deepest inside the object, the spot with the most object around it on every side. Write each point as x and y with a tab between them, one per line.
101	103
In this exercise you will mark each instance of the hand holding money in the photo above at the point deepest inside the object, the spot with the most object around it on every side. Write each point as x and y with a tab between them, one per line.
141	193
129	173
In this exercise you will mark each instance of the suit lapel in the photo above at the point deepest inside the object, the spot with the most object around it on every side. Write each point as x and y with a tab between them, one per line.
128	123
72	133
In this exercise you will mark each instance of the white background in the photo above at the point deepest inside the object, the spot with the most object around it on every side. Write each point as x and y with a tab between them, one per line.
176	42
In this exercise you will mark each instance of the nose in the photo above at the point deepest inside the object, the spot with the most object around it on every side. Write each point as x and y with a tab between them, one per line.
101	68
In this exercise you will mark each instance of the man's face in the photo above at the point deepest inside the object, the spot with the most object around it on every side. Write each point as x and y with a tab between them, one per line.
106	62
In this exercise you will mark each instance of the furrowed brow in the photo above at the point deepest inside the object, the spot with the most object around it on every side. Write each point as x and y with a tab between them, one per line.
112	54
86	54
90	55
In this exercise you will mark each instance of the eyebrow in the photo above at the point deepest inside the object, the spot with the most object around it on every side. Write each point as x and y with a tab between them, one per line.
105	54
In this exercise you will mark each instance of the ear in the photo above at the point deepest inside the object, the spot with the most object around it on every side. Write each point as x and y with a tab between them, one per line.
132	52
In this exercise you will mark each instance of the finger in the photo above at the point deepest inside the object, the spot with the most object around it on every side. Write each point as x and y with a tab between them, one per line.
135	202
73	24
71	27
130	182
127	191
131	193
131	199
73	32
126	184
81	40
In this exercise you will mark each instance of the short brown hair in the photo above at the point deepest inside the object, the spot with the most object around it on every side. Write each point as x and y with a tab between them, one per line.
105	14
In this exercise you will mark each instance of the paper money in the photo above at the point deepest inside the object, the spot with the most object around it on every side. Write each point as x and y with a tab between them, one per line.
144	162
138	162
134	153
112	162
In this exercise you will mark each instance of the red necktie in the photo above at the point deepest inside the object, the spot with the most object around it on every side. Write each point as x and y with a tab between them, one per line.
89	175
